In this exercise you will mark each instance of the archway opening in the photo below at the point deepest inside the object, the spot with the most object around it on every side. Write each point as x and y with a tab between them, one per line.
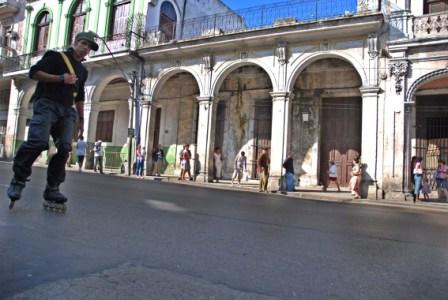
174	121
109	123
430	136
325	123
244	117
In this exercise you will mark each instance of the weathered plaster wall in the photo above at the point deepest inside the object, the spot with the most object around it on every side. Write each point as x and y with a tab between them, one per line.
324	78
177	99
241	91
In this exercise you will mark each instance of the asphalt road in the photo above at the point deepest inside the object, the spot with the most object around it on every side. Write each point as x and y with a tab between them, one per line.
137	239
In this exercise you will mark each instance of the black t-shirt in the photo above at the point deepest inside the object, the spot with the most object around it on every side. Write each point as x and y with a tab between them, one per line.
53	63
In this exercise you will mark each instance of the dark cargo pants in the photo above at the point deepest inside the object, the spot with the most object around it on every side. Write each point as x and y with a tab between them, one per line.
49	118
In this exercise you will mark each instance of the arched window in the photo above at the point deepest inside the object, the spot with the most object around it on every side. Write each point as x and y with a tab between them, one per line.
167	23
119	17
77	20
435	6
42	29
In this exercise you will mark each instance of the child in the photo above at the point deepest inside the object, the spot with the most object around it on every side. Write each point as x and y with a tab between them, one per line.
426	190
332	176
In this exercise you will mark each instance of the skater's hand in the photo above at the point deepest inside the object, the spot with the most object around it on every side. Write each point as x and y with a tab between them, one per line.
69	78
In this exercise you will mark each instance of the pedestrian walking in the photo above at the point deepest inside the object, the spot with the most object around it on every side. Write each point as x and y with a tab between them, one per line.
139	161
288	164
263	170
185	157
217	164
418	174
332	176
98	156
61	77
355	180
157	158
240	167
81	147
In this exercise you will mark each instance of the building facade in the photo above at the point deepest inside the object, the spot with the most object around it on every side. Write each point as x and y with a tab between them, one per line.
320	80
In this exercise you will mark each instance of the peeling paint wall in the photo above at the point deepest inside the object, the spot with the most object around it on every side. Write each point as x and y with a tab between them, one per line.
241	91
177	98
327	78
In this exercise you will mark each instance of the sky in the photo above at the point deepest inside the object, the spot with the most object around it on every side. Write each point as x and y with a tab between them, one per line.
237	4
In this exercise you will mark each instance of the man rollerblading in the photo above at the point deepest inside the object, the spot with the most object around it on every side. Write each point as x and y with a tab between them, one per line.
54	199
61	77
15	191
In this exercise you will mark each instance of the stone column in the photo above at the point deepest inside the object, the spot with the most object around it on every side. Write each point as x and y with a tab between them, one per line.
12	125
205	142
369	141
279	136
144	133
90	121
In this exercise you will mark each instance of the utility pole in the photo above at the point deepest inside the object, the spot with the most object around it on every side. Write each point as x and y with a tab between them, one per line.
134	125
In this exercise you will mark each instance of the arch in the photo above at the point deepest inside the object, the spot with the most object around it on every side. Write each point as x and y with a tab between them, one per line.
168	73
309	59
422	80
26	93
229	68
100	85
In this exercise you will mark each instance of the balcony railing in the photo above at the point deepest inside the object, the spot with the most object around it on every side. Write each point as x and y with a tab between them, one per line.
261	17
432	25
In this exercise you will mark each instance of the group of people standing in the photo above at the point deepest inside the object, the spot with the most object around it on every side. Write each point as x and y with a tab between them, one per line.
420	180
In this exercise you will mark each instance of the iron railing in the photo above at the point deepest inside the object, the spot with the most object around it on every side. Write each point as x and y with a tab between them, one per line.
259	17
431	150
136	36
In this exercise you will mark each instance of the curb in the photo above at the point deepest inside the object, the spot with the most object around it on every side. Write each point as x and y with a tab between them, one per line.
314	195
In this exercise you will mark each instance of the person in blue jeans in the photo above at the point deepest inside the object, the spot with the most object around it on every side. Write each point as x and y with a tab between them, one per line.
288	164
418	174
60	85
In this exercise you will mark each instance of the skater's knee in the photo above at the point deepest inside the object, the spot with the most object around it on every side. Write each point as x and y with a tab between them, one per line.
65	148
35	145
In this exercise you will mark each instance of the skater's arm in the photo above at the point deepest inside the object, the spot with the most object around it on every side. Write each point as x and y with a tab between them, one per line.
46	77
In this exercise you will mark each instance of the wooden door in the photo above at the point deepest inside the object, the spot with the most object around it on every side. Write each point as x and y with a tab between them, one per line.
340	135
155	141
262	132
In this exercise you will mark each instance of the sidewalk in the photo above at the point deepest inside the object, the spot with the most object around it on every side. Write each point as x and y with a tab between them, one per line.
308	193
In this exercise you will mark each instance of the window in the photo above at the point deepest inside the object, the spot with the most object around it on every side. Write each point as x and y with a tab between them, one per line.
4	97
167	23
42	29
437	128
105	126
77	20
119	18
435	6
5	36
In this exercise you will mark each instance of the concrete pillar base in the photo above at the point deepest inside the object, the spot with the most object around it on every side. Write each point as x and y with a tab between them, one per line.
204	178
371	191
274	184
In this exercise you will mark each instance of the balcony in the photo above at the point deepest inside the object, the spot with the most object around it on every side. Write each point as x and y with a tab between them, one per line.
433	25
260	17
295	13
8	8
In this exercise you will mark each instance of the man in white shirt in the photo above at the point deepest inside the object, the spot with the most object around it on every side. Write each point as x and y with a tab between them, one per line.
98	156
